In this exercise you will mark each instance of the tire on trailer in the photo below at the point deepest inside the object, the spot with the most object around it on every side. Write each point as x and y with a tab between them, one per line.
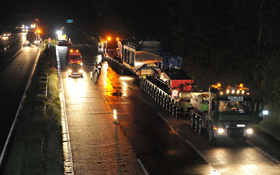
192	120
177	112
173	109
170	106
166	104
196	118
211	137
200	128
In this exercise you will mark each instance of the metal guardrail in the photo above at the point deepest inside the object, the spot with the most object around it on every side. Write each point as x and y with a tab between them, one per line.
164	99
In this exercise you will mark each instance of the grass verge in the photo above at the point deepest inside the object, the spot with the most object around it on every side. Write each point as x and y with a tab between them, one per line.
271	126
37	141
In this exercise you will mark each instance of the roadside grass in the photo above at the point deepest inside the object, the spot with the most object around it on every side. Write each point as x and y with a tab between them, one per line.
37	142
271	126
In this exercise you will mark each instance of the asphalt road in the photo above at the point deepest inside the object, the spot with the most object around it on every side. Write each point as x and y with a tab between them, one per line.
165	145
13	80
259	155
98	145
160	148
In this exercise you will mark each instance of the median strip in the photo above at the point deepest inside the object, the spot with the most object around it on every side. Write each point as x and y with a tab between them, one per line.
37	141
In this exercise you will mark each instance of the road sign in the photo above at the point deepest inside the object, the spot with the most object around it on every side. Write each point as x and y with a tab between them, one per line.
69	20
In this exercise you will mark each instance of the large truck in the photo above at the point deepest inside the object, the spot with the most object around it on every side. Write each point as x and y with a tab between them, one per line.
32	39
222	111
225	111
73	55
63	40
108	46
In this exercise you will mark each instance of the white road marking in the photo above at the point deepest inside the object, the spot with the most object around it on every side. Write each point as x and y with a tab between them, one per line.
189	143
264	153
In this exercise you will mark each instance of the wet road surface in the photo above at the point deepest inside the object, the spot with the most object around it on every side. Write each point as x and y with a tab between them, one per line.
13	80
164	144
98	145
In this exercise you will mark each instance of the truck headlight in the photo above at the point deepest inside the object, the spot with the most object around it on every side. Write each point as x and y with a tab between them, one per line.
80	71
249	131
69	70
27	42
220	130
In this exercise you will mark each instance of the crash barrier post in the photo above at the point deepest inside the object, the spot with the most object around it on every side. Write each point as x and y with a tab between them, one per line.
145	87
179	112
174	106
170	106
152	90
163	101
167	103
155	97
160	99
173	110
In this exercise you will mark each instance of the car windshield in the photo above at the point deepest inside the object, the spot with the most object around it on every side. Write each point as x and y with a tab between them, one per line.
74	65
235	106
75	57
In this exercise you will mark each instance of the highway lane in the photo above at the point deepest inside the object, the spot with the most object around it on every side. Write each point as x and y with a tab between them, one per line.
9	47
13	80
98	145
168	146
161	150
259	155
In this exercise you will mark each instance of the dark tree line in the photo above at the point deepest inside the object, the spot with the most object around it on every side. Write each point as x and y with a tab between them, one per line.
223	41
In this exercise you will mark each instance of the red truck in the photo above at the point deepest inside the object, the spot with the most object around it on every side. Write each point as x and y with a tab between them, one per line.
74	56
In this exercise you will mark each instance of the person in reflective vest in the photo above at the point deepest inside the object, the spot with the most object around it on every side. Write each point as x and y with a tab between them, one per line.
99	66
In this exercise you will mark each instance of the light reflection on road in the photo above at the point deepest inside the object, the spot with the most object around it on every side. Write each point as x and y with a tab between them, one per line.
76	87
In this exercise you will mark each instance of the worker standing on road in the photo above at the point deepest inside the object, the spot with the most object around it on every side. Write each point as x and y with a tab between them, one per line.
95	73
99	66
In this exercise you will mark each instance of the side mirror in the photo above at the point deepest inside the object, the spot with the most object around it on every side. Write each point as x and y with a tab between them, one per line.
258	105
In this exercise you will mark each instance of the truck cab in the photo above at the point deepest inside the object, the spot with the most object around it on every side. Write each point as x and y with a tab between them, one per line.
74	56
32	39
230	111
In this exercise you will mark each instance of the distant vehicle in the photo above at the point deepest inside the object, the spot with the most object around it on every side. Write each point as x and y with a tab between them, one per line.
75	69
107	46
74	56
63	40
7	34
32	39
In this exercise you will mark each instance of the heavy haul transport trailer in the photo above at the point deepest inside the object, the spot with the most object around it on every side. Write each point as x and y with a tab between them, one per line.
227	111
174	101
